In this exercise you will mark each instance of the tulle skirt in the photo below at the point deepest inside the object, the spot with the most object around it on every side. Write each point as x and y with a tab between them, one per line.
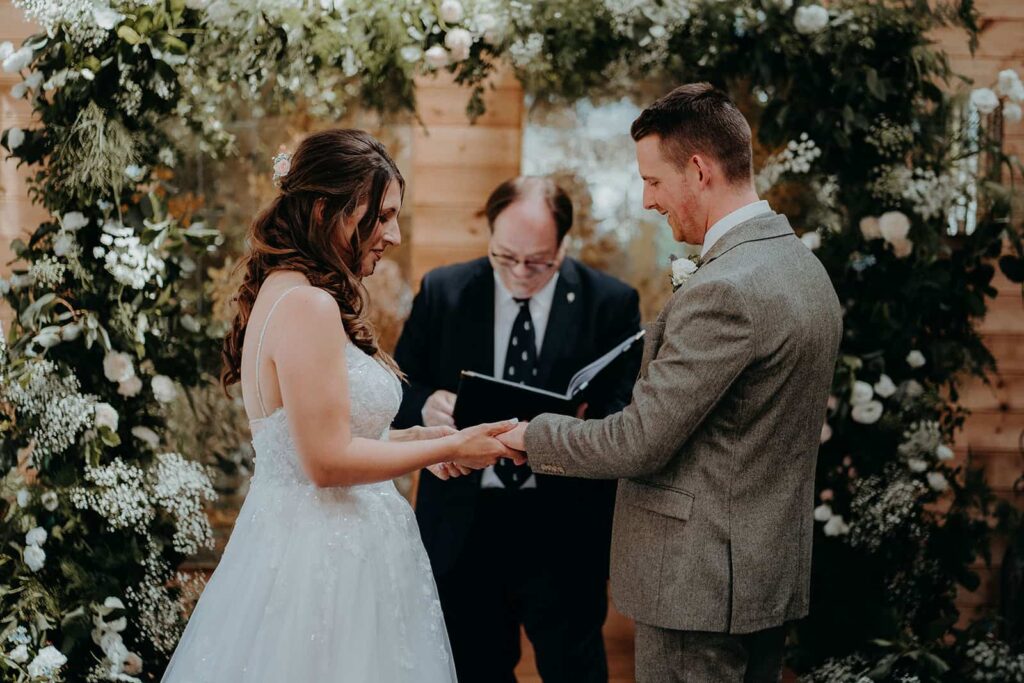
318	585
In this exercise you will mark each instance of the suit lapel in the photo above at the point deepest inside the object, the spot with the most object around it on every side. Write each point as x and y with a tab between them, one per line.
563	323
477	341
758	228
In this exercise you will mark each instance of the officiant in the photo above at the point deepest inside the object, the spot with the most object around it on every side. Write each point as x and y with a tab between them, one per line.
525	313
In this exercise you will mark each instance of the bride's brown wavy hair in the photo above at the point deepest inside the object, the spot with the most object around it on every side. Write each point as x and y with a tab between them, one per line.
333	172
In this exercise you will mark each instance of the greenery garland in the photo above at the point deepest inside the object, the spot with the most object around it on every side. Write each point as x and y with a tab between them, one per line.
896	185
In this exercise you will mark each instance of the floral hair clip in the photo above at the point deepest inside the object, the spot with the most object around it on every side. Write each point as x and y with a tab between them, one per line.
282	165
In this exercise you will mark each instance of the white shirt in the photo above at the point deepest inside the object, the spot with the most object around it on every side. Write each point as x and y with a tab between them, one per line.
730	221
505	312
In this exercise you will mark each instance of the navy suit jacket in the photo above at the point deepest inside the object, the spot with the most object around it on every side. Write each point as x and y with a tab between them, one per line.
450	329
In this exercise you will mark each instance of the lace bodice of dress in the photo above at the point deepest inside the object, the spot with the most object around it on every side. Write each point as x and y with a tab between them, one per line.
374	396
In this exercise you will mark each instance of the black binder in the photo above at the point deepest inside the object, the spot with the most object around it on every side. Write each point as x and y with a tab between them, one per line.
483	398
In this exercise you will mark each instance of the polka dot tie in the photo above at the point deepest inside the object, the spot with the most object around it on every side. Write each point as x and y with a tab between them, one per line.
520	366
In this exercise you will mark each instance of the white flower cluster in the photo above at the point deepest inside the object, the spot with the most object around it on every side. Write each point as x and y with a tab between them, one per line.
118	368
522	52
797	157
118	494
847	670
35	556
993	661
888	138
650	24
810	19
180	486
893	227
160	616
922	447
84	22
46	664
886	508
866	408
51	403
118	663
131	262
930	194
47	271
1009	92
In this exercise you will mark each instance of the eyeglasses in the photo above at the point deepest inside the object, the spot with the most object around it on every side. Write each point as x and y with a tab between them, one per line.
510	262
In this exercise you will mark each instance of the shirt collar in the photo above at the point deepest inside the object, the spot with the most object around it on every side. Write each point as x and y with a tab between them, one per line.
543	298
730	221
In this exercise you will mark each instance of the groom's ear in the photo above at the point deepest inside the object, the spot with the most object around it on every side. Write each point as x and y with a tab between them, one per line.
701	166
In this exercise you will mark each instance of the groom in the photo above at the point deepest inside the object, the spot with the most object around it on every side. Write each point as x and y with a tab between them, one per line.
711	543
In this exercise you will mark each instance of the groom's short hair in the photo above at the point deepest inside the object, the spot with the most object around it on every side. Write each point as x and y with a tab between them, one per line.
698	118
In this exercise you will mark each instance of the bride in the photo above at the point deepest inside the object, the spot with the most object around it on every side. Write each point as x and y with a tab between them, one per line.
325	577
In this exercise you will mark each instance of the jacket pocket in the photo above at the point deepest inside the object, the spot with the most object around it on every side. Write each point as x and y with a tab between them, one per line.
660	498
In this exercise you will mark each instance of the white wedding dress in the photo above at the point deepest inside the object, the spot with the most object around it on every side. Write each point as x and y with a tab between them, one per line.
319	584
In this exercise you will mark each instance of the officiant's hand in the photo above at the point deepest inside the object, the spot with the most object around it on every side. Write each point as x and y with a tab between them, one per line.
437	411
516	440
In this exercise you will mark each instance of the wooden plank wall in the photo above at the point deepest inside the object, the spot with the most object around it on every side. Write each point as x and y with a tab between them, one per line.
992	437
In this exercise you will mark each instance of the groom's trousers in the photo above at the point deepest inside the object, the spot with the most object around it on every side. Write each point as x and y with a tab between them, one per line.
667	656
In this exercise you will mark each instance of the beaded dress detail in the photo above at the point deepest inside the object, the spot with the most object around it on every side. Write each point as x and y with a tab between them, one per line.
320	584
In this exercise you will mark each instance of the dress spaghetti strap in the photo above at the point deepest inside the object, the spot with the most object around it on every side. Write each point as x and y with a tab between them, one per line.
259	346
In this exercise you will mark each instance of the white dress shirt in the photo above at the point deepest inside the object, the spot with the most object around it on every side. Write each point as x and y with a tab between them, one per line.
730	221
505	312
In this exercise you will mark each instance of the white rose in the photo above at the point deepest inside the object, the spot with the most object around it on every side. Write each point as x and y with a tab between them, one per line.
130	387
822	513
912	388
459	41
6	49
105	17
917	465
1008	82
164	389
867	413
73	221
411	53
894	226
146	435
810	19
682	270
117	366
50	501
18	655
869	228
486	25
783	5
133	664
35	557
915	359
885	387
113	602
63	243
1012	112
944	452
16	61
812	239
47	663
436	57
190	323
451	11
24	497
937	481
1017	94
36	536
835	526
861	393
984	100
106	416
15	136
902	248
826	432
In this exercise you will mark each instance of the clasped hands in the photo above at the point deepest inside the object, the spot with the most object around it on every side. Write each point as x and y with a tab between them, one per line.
477	447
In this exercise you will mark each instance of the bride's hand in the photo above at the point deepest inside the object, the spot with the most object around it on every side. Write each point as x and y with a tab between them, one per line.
477	447
448	470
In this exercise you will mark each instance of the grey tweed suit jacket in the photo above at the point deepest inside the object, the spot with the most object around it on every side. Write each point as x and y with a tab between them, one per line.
716	452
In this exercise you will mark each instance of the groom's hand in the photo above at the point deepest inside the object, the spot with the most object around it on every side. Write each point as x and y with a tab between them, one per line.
515	438
438	409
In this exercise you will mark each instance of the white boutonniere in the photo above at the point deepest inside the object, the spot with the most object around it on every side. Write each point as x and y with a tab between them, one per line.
682	270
